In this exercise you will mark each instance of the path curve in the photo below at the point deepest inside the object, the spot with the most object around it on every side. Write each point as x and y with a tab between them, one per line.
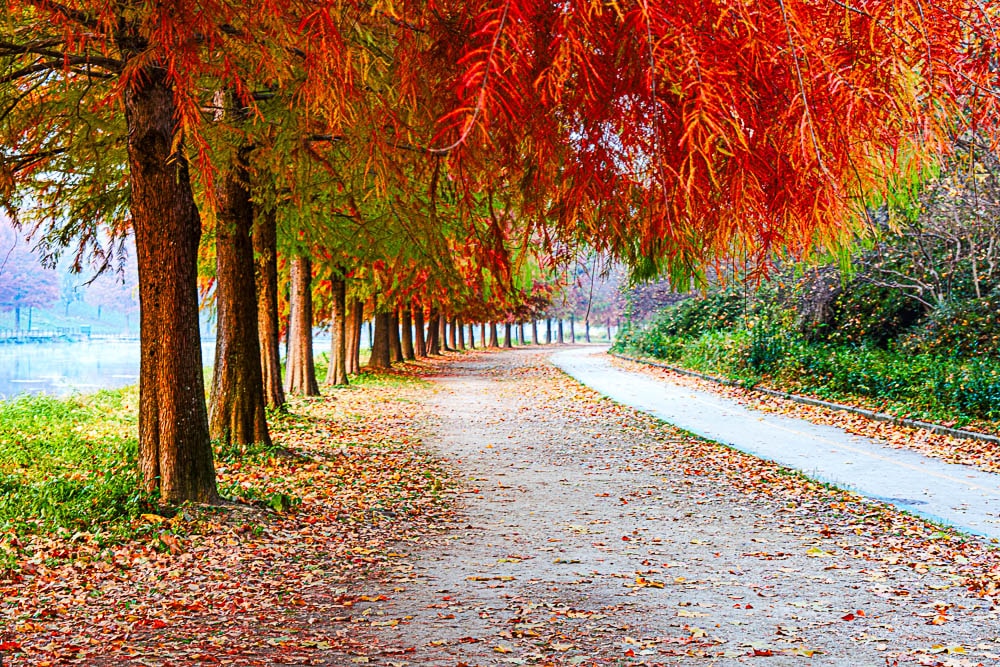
962	496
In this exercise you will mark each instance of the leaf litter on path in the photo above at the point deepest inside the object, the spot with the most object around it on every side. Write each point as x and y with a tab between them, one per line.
581	532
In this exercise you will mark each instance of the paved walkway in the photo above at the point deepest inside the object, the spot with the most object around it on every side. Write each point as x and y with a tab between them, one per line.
961	496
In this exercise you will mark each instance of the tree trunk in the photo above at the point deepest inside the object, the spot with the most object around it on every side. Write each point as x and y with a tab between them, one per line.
572	330
336	374
354	315
443	333
482	333
406	323
17	318
395	345
520	332
472	337
434	333
380	343
175	451
453	334
507	332
265	247
534	332
418	327
460	334
236	411
548	330
561	339
586	330
494	338
301	370
608	323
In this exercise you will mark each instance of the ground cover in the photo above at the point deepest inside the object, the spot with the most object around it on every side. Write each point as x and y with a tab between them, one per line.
491	512
118	580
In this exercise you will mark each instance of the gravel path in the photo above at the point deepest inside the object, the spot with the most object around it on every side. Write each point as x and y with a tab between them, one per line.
588	534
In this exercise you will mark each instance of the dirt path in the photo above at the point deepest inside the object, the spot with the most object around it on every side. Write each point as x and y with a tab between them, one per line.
590	534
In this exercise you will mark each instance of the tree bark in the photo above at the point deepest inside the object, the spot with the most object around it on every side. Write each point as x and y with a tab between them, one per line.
418	326
443	333
354	316
236	413
494	339
301	369
561	339
406	324
433	333
534	332
507	333
572	330
586	330
460	334
520	333
395	345
380	342
453	334
336	374
472	337
482	333
175	450
548	330
265	246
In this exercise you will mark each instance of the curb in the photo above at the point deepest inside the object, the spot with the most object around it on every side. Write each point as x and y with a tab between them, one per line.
870	414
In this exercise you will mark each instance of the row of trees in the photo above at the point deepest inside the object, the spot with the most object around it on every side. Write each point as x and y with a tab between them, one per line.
443	157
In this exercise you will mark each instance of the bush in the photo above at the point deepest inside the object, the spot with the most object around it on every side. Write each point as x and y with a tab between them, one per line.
867	314
961	329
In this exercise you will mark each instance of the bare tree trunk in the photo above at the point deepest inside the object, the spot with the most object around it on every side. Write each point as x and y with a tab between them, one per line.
301	378
175	451
381	344
460	333
586	330
494	339
548	330
265	247
406	323
608	321
236	413
572	330
561	339
520	332
507	342
482	333
395	345
418	327
443	333
355	313
472	337
336	374
534	332
453	334
434	333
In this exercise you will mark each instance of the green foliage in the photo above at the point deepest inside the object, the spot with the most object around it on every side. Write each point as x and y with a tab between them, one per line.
70	464
963	329
939	371
868	314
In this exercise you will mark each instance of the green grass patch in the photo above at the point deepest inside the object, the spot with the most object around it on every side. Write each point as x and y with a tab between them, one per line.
69	464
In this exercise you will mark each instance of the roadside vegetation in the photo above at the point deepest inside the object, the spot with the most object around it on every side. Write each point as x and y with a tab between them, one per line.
910	325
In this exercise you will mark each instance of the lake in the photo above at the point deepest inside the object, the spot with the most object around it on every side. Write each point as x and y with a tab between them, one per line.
83	367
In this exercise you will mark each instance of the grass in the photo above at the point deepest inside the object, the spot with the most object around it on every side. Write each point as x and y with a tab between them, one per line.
922	386
68	465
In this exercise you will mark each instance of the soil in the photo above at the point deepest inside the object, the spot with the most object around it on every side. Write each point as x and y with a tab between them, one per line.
590	534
